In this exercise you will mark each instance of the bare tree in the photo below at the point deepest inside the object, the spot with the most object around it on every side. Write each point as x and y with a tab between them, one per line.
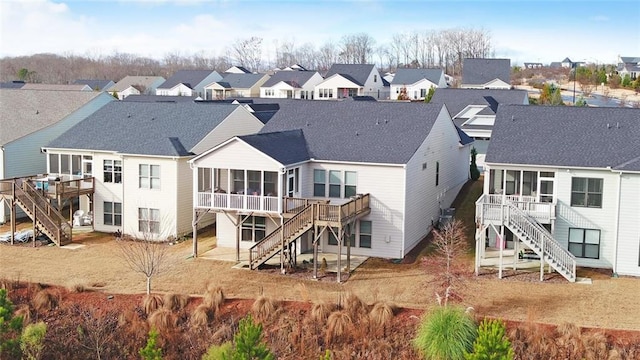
356	48
248	52
97	330
327	56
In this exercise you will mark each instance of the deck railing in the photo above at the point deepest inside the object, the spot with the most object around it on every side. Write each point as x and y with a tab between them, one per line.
35	204
237	201
489	205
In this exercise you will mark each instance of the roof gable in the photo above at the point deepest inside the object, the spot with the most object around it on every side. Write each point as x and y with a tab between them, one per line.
358	73
286	147
482	71
239	81
98	85
190	78
412	76
458	99
129	81
299	77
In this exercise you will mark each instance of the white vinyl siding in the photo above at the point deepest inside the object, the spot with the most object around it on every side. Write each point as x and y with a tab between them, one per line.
629	226
239	122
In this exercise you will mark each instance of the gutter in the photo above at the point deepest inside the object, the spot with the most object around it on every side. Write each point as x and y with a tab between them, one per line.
616	229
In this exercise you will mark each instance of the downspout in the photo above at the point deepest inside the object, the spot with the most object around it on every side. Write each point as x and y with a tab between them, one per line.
616	229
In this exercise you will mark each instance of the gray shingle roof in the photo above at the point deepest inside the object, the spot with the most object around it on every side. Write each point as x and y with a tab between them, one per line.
12	84
57	87
23	112
358	73
481	71
566	136
286	147
94	84
630	59
299	77
357	131
190	78
127	81
145	128
240	81
458	99
411	76
158	98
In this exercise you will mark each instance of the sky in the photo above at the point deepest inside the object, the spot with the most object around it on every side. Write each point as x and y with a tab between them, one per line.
524	31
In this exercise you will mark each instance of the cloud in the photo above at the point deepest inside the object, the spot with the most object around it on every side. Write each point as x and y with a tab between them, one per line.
599	18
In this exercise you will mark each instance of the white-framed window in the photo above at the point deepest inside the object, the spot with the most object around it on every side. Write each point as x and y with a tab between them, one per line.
341	184
112	171
149	176
584	243
349	183
149	220
349	238
319	182
586	192
112	213
254	228
423	93
437	173
365	234
334	183
204	180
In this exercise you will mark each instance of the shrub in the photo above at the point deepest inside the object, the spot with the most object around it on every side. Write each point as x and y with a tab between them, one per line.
338	324
10	326
248	341
44	300
213	297
175	302
381	315
264	308
473	168
152	350
218	352
24	312
163	320
355	307
492	342
77	286
32	340
320	311
201	315
151	303
446	333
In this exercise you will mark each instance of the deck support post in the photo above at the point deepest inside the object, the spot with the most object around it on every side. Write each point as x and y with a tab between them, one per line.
542	260
13	212
516	245
348	232
502	244
194	225
339	263
315	251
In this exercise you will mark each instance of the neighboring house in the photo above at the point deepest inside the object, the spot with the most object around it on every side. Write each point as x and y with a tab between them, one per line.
236	85
29	119
536	65
416	82
565	180
136	85
628	65
298	84
237	70
566	63
474	111
555	65
15	84
96	85
348	80
137	153
188	83
486	74
56	87
387	168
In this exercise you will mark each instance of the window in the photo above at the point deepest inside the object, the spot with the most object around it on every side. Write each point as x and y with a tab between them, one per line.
254	228
254	179
270	181
76	161
349	183
319	183
334	183
112	171
586	192
375	78
149	176
112	212
423	93
149	220
333	240
437	173
365	234
204	179
54	167
238	181
584	243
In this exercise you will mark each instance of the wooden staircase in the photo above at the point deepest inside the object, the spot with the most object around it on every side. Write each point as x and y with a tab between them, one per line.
46	217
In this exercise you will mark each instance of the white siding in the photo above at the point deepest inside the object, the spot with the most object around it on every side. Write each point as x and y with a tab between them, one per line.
110	192
178	90
423	198
237	155
602	219
239	122
413	90
226	230
629	226
334	82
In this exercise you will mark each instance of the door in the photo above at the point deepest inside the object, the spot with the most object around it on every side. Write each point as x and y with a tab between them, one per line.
292	182
547	187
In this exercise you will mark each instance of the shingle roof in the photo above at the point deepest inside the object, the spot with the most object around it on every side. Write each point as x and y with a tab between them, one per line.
566	136
126	82
23	112
299	77
359	73
482	71
630	59
94	84
458	99
239	68
190	78
240	81
411	76
159	98
286	147
12	84
358	131
146	128
57	87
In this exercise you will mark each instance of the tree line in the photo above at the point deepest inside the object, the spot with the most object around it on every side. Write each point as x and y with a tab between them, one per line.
443	49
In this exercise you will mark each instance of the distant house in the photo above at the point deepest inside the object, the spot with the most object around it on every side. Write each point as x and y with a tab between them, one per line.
294	84
555	65
235	85
416	82
569	196
628	65
137	154
348	80
533	65
96	85
136	85
237	70
188	83
15	84
566	63
56	87
29	119
486	74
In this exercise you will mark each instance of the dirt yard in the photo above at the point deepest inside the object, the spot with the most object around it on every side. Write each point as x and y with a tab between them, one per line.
607	303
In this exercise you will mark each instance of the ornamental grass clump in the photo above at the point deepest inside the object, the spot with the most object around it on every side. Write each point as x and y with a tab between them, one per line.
446	333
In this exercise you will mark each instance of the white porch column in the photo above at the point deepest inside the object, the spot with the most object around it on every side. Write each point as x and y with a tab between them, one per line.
281	173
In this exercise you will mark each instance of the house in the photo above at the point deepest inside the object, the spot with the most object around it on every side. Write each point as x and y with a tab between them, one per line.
533	65
294	84
628	65
474	111
96	85
347	80
562	183
486	74
15	84
376	173
137	155
415	83
235	85
136	85
56	87
237	70
29	119
188	83
566	63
